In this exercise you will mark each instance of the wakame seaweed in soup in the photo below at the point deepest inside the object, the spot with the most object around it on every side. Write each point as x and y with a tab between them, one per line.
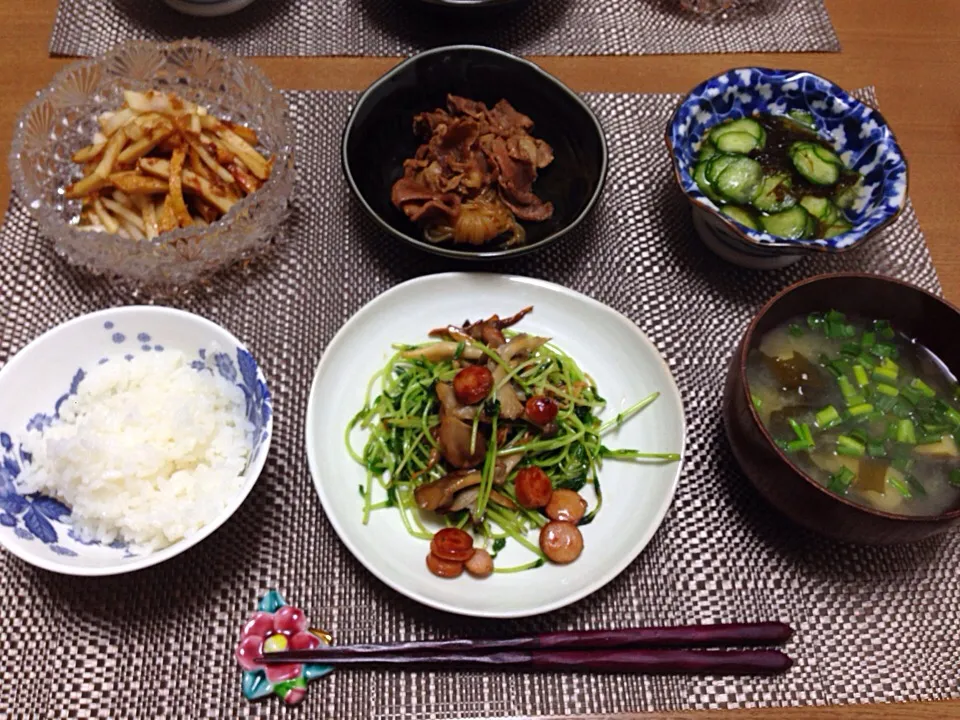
774	173
863	409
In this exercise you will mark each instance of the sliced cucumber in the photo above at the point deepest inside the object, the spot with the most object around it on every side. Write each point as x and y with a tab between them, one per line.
793	223
802	117
744	125
717	164
847	197
707	151
808	162
737	142
821	208
740	180
699	174
741	215
775	194
827	155
838	228
812	226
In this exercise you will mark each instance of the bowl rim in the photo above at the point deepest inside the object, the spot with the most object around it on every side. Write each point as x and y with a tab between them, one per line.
282	158
795	246
254	470
741	359
482	254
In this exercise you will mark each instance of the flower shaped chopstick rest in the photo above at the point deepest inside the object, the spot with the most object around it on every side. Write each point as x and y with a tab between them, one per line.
274	627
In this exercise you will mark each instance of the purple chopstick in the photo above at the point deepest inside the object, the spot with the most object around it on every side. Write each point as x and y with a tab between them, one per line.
645	661
657	649
684	636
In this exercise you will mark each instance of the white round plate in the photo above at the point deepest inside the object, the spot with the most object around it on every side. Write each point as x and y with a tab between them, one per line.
626	367
47	371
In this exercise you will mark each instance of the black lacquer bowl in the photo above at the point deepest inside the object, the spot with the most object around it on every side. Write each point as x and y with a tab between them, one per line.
379	137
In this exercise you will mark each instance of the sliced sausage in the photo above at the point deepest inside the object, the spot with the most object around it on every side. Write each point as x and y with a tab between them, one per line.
481	564
566	505
533	487
561	542
443	568
452	544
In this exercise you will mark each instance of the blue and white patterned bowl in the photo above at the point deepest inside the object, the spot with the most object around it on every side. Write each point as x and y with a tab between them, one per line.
858	132
46	372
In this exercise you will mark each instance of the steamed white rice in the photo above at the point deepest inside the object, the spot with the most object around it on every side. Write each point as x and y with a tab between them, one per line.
148	451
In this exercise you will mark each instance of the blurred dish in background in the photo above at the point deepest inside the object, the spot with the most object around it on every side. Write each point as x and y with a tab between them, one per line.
208	8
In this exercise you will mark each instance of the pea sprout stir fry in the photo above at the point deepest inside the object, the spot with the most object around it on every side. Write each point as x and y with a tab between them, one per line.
494	431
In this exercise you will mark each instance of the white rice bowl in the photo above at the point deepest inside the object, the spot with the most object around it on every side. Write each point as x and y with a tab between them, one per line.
141	438
148	451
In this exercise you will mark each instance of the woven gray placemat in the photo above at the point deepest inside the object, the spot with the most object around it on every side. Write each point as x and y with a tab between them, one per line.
872	624
403	27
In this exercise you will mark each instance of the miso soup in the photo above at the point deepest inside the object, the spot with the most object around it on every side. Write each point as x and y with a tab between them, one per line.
868	412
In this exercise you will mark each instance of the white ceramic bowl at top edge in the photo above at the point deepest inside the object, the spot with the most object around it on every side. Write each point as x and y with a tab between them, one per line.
36	529
208	8
607	345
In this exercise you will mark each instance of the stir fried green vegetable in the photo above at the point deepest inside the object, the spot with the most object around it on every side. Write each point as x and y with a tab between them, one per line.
409	450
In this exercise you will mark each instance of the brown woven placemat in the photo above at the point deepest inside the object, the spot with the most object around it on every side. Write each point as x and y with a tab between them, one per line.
403	27
872	624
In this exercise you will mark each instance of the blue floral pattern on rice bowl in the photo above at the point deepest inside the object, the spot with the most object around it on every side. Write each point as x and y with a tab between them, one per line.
859	133
45	522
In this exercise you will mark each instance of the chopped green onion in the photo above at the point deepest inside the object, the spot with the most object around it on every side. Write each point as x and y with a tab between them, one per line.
884	374
851	349
929	438
795	330
804	439
902	409
911	395
795	426
884	328
858	399
885	403
917	486
835	329
903	463
955	477
900	486
846	388
828	417
888	390
882	350
757	402
840	480
950	414
876	449
835	316
866	360
841	366
847	445
859	435
890	365
906	433
891	433
860	375
814	321
861	409
868	339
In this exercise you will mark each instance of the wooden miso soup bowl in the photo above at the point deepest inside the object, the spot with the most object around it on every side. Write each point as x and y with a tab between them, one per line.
916	312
